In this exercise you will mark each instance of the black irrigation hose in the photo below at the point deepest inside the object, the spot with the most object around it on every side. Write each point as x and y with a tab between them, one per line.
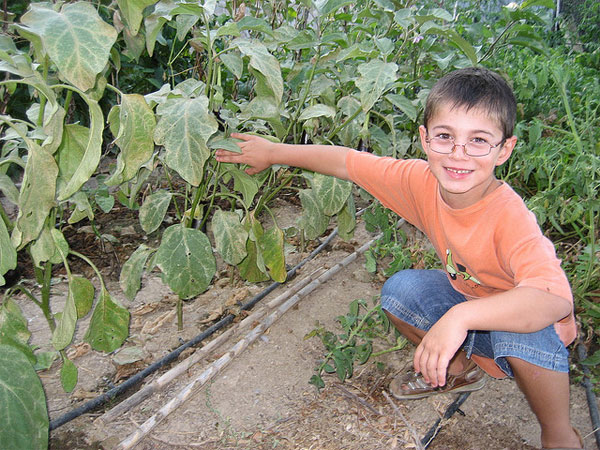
130	382
452	408
589	393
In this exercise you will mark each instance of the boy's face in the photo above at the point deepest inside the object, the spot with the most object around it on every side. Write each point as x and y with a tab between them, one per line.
464	179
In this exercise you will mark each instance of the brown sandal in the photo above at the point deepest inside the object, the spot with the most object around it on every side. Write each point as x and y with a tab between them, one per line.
413	385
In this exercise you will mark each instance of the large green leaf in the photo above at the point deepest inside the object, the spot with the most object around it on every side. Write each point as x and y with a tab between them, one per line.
331	193
135	137
186	260
403	104
456	39
131	273
347	220
313	221
271	247
376	77
252	267
184	128
230	236
36	198
70	153
68	375
265	63
8	254
318	110
13	329
152	212
83	293
109	325
331	6
91	156
77	40
23	412
246	184
131	11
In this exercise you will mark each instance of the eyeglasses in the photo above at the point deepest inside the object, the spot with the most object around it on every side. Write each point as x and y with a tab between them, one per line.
475	147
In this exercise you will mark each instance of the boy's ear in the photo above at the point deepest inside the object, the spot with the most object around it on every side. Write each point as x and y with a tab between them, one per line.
506	150
423	134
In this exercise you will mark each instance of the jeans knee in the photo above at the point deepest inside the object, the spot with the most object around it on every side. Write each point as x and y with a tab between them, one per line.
399	288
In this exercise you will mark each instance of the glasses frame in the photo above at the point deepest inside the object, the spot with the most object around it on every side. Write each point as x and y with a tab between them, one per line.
464	146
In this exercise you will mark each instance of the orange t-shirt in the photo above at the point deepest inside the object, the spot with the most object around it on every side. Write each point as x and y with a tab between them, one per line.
489	247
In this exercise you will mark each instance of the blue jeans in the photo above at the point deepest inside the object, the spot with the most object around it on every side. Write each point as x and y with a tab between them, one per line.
421	297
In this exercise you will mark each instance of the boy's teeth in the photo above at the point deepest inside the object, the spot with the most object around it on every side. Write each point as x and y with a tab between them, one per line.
459	171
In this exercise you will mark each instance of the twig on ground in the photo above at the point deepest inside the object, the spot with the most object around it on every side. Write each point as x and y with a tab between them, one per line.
412	430
357	399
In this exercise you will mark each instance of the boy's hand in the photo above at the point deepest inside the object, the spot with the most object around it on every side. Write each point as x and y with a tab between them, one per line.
255	151
437	348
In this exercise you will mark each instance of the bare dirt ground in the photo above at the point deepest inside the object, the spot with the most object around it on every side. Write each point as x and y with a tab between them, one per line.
262	399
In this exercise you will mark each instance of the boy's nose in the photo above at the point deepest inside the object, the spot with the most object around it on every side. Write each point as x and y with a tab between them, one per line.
463	152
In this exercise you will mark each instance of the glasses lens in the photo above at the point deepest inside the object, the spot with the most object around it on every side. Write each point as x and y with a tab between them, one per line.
477	148
441	145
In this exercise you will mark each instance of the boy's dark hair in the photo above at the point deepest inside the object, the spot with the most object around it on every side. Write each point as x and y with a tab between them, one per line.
475	87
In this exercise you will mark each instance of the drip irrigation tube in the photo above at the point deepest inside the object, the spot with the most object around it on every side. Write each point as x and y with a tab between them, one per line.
589	393
137	378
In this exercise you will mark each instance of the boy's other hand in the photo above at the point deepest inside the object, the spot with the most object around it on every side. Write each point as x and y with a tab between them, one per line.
255	152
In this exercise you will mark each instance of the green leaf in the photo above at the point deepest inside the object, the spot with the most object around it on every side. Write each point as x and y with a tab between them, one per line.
265	63
8	254
68	375
376	77
135	137
234	63
131	273
83	294
230	236
403	104
313	221
65	328
8	188
252	267
91	155
318	110
36	198
185	257
271	247
23	412
131	11
457	40
77	40
332	6
246	184
184	128
44	360
109	325
13	329
592	360
44	249
154	209
226	144
70	152
346	220
317	381
82	209
331	193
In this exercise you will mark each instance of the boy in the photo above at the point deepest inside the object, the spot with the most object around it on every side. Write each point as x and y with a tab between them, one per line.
504	305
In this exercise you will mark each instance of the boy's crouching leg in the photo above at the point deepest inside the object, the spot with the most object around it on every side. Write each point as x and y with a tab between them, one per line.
547	392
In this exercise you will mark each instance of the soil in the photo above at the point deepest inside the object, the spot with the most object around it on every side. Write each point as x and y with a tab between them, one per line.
262	399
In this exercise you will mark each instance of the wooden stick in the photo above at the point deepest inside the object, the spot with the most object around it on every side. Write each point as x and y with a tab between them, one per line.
412	430
201	353
218	365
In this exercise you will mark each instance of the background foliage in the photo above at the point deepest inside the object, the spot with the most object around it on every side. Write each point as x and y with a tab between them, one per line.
149	89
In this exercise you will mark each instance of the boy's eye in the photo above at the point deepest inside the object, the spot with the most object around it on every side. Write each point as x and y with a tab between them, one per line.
479	140
443	136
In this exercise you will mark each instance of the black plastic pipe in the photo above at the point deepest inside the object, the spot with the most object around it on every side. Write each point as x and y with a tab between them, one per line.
452	408
589	393
138	377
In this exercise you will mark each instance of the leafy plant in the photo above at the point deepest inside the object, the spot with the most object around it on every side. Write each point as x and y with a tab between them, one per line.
355	343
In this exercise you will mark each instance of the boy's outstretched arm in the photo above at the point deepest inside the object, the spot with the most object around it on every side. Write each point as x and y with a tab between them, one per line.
260	153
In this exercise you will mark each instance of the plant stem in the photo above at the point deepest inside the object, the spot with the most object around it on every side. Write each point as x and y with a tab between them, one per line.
45	304
344	124
179	314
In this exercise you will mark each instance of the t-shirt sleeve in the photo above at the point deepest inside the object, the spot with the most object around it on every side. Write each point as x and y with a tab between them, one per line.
532	257
398	184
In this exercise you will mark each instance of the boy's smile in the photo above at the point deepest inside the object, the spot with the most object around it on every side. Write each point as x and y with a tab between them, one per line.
464	179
